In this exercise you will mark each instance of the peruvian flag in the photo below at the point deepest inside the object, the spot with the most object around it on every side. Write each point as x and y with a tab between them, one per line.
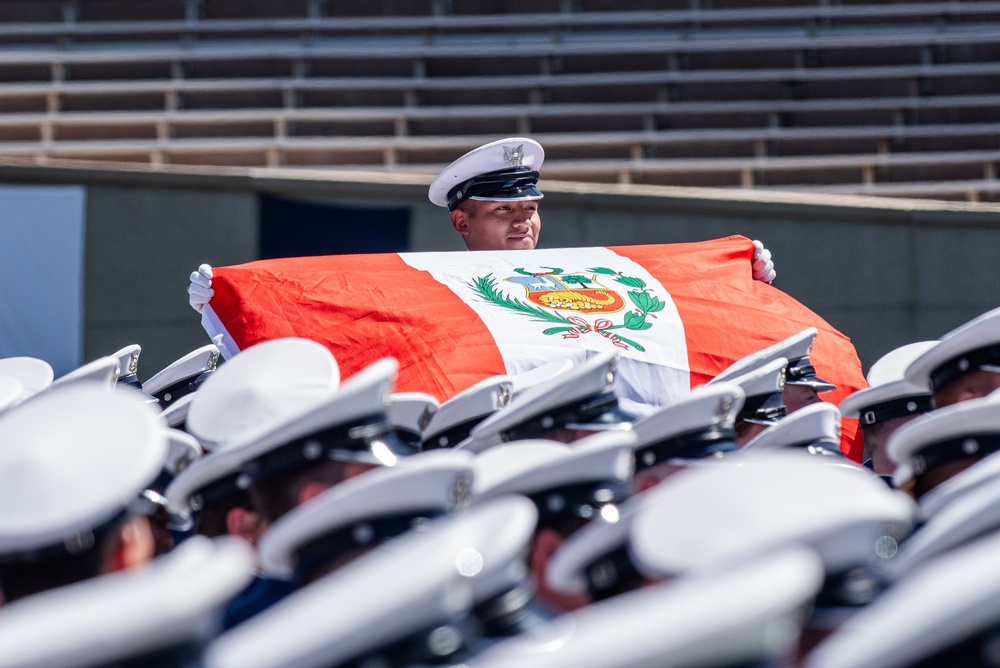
677	313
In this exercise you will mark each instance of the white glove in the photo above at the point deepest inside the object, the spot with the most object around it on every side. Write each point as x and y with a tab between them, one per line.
763	268
200	291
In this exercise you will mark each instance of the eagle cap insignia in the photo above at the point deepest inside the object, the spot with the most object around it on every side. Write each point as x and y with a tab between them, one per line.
513	157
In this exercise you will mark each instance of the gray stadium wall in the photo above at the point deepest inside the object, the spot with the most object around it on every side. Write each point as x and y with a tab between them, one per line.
883	271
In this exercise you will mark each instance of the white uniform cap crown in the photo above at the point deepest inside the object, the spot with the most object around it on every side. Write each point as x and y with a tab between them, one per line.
792	348
73	460
526	380
771	500
103	370
173	601
743	615
264	383
182	450
11	391
128	360
32	374
415	583
412	411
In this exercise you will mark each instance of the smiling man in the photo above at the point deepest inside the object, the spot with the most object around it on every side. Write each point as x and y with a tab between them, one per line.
492	196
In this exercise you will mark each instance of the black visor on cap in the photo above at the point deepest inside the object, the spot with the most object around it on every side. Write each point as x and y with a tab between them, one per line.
801	372
712	441
901	407
763	408
329	547
168	395
595	413
976	445
957	367
368	440
514	184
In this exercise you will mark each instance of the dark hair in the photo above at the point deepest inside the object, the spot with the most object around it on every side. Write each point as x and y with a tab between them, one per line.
276	495
211	521
24	578
564	524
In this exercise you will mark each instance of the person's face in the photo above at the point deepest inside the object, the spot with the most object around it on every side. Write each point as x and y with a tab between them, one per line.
876	437
974	385
745	431
493	225
798	396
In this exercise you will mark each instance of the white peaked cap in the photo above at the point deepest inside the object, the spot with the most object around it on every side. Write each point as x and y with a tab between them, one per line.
182	450
526	380
128	360
415	583
947	601
412	411
428	484
188	367
794	347
73	460
953	354
32	374
967	518
535	466
959	424
505	153
815	424
567	571
770	501
175	600
363	395
981	474
744	614
886	382
476	402
591	378
11	390
103	370
264	383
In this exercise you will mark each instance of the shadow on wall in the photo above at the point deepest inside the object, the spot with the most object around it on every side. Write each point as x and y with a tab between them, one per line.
296	228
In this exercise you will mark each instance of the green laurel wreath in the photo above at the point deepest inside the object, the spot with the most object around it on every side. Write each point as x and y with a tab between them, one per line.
645	303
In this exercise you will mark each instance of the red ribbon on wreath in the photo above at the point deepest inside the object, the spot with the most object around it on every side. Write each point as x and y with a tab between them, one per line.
599	326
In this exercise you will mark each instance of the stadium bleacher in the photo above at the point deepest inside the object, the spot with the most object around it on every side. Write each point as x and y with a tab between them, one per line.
884	98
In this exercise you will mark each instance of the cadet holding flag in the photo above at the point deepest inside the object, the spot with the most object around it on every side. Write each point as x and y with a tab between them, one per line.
492	195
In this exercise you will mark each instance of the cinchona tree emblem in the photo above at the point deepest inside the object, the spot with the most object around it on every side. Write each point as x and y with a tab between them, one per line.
562	298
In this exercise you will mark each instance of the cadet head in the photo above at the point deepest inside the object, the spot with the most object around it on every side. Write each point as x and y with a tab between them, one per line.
491	195
965	363
77	461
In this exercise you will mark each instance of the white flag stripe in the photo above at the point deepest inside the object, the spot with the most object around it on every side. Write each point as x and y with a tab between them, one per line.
519	295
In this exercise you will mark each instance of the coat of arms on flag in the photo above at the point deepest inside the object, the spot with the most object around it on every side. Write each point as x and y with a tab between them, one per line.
678	314
563	298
